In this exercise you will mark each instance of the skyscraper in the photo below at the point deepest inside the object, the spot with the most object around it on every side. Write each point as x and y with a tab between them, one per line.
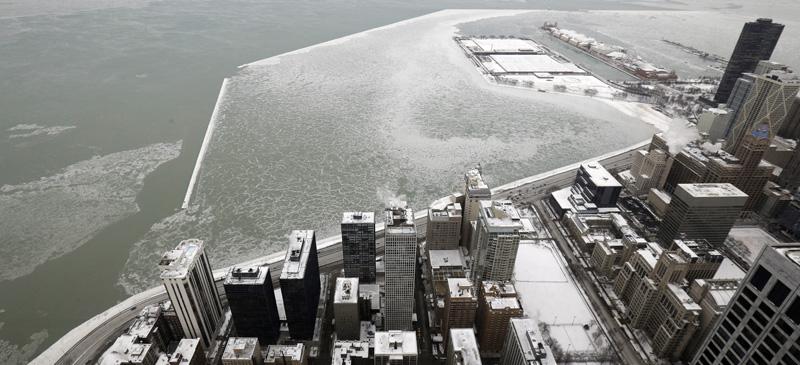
762	111
524	345
189	281
358	245
443	231
460	305
761	324
252	302
497	237
475	190
300	284
701	211
345	309
462	349
756	43
400	258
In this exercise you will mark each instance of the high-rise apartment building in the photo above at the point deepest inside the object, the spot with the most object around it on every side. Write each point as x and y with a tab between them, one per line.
443	230
460	305
762	112
462	349
701	211
189	281
756	43
358	245
524	345
646	171
497	236
761	324
400	260
251	299
396	348
300	284
475	191
345	309
497	304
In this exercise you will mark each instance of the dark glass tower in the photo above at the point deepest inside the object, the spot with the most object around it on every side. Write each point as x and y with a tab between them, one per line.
300	285
756	43
252	302
358	245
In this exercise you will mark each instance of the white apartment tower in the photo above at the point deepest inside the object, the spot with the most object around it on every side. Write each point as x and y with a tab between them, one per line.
189	281
497	236
400	258
475	191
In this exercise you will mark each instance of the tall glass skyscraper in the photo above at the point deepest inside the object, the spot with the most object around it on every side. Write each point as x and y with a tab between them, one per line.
756	43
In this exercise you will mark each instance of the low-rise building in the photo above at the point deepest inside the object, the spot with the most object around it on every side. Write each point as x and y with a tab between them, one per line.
351	353
396	348
285	355
443	265
242	351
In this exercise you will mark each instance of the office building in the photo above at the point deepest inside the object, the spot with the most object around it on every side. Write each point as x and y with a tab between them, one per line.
443	265
497	304
595	190
443	231
791	125
251	299
762	112
597	185
358	246
698	163
400	259
524	345
460	305
646	171
475	191
462	349
190	351
497	236
351	353
189	282
396	348
300	286
242	351
761	324
756	43
714	123
286	355
701	211
345	309
713	296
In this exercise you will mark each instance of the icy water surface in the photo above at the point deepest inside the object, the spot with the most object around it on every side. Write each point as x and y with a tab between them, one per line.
395	111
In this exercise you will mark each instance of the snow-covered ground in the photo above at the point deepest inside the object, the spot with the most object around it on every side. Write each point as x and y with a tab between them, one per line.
549	296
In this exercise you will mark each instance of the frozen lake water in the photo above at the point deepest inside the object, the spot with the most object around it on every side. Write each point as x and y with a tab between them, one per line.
394	111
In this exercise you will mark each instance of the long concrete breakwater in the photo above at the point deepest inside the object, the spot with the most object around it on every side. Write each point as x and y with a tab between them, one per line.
86	341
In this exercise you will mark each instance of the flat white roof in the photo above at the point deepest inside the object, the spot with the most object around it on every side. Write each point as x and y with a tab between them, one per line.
599	175
506	44
441	258
358	217
346	290
240	348
176	263
534	63
463	342
399	343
